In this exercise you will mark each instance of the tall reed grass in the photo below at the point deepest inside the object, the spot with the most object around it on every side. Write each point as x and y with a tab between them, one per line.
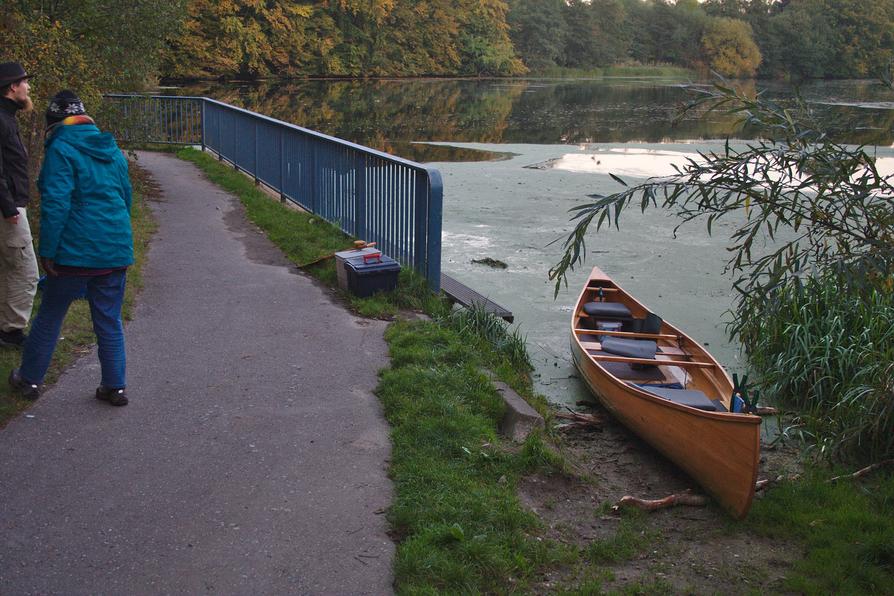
828	352
476	323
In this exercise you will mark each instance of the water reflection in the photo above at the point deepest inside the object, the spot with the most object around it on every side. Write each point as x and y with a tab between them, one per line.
626	161
391	115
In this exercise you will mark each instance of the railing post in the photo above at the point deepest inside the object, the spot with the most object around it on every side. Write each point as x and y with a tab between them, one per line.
255	172
282	166
420	225
433	237
361	163
202	116
219	138
313	179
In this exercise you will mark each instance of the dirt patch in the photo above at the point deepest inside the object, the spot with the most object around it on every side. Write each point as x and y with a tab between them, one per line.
679	550
144	181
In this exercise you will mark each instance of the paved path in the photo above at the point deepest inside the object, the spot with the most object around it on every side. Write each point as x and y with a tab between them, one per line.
252	457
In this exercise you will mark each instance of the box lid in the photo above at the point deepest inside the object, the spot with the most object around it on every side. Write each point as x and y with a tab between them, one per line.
347	254
360	265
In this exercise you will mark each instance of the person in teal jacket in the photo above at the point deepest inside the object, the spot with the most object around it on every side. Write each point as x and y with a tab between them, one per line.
85	245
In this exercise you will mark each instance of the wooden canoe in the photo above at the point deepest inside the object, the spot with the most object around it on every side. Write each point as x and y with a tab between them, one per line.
719	449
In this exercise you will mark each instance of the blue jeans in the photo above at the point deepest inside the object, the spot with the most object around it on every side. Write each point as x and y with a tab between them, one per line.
105	293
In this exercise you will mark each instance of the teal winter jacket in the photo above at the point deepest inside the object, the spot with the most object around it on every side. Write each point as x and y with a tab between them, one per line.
85	197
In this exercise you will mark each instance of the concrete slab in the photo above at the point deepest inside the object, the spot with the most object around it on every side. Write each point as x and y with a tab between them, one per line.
252	457
520	419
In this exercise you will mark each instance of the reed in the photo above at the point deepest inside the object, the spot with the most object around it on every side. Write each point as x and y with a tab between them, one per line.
476	323
826	350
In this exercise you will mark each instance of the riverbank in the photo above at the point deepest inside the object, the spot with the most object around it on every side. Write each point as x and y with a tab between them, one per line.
475	513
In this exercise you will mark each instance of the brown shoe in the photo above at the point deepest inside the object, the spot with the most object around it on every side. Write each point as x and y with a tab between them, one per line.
116	397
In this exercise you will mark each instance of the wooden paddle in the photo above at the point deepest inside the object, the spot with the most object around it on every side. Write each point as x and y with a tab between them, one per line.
358	245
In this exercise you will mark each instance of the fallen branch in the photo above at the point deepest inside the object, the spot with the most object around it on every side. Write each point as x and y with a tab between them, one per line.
862	472
768	482
685	498
580	419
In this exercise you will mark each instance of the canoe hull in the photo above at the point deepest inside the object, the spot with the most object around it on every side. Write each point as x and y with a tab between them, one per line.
719	450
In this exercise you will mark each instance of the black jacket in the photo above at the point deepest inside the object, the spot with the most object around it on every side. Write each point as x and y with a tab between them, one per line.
14	184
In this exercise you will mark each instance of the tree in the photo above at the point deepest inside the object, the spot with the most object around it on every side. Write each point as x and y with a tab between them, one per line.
729	47
799	42
665	32
124	40
537	29
92	46
596	33
484	42
864	35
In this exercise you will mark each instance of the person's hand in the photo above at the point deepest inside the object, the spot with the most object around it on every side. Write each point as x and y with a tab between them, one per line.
49	266
14	219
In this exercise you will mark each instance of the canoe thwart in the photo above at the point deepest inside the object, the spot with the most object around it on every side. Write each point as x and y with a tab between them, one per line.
654	362
632	334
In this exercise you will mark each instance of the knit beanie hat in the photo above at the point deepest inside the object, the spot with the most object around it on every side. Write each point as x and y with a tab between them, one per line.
64	104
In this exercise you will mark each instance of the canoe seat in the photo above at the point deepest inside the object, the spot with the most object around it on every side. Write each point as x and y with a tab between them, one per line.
627	372
607	310
632	348
686	397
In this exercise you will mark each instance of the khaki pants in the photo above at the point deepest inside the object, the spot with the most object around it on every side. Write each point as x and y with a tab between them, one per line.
18	273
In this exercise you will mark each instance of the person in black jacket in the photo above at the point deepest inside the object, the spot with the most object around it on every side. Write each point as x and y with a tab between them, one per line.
18	264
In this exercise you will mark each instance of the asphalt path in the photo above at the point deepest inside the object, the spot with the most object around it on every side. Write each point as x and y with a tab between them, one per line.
252	458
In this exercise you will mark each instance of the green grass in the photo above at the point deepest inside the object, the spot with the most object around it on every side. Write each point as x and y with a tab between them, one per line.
460	525
847	530
305	238
77	333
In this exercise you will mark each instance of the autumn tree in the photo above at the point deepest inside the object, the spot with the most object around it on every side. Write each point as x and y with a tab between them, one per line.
729	47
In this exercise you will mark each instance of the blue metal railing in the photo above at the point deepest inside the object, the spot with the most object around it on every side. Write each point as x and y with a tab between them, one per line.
369	194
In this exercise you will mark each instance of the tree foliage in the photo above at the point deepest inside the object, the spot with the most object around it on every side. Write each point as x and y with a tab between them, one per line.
121	40
251	39
729	48
91	46
367	38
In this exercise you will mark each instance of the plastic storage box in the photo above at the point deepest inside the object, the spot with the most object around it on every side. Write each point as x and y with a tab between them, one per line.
370	274
341	257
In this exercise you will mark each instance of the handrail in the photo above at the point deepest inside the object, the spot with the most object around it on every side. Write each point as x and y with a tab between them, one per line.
370	194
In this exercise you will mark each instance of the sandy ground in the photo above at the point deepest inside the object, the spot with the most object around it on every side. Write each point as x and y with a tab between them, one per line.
689	549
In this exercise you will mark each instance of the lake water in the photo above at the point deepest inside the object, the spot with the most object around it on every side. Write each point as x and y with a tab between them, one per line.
484	136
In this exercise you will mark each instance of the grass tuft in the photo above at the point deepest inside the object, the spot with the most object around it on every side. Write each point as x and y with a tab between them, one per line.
476	324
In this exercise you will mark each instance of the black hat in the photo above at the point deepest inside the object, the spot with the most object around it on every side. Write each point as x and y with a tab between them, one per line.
64	104
11	72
